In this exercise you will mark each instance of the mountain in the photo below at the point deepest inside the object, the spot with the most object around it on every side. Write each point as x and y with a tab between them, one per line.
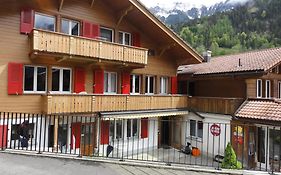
231	29
181	12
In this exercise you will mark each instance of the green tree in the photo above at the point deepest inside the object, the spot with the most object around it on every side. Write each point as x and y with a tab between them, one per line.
187	35
230	161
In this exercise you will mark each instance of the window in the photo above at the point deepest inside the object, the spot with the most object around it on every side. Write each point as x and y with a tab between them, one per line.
118	128
125	38
106	34
135	84
149	84
61	80
267	89
35	78
259	88
110	82
164	85
196	129
132	128
70	27
17	130
44	22
279	89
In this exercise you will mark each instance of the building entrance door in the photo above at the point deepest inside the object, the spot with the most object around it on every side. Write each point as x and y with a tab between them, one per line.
87	139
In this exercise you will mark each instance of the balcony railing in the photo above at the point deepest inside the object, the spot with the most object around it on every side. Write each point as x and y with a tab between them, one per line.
59	104
216	105
67	45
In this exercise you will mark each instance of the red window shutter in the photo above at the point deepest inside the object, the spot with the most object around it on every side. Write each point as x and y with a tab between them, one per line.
26	21
144	128
95	30
3	136
80	77
15	78
125	83
104	139
87	29
174	85
136	40
75	135
99	78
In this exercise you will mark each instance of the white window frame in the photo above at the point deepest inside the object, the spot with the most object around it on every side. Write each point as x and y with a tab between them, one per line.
35	80
43	14
109	82
196	137
61	81
259	89
134	84
268	89
123	37
70	24
148	85
279	89
138	128
164	81
112	31
115	130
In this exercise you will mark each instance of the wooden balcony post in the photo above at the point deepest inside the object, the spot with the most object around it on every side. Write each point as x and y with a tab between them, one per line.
56	129
35	40
93	103
71	45
49	104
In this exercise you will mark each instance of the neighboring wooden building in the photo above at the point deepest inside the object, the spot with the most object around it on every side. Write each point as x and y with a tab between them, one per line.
90	57
219	87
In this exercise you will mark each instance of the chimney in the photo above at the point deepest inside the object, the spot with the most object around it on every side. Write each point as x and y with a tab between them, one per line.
207	56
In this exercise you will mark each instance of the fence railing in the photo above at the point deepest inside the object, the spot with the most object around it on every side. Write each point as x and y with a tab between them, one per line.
171	139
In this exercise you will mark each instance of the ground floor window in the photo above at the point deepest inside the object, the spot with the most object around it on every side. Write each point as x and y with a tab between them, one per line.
196	129
120	129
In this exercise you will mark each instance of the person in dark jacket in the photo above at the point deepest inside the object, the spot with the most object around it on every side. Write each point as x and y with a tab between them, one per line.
23	133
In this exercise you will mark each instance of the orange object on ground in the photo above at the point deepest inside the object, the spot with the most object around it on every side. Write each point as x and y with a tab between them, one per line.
196	152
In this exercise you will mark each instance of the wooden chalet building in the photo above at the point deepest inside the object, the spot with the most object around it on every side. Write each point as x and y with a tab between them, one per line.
247	87
95	58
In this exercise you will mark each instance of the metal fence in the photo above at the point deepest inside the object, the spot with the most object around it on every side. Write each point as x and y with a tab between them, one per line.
167	139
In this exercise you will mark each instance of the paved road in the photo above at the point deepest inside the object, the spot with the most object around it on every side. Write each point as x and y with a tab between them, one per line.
26	165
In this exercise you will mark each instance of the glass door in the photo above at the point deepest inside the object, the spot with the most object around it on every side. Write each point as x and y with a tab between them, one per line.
261	148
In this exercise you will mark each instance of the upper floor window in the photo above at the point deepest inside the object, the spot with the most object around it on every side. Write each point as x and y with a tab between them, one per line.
135	84
70	27
196	129
110	82
44	22
267	89
106	34
259	88
35	78
125	38
279	89
164	85
61	80
149	84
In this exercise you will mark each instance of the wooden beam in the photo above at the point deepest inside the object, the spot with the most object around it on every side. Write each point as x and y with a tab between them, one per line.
123	13
62	59
92	4
61	4
165	48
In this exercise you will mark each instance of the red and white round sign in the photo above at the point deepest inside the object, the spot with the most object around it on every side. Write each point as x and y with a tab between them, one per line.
215	130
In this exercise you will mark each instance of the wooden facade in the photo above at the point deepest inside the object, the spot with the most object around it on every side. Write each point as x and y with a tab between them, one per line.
154	56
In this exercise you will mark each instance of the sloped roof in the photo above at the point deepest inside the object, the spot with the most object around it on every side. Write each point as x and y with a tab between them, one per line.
261	109
259	60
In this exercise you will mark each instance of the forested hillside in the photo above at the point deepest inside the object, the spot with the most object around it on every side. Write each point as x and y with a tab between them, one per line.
254	25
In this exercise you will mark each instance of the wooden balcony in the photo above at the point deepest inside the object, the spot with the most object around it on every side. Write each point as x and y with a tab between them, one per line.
216	105
75	47
59	104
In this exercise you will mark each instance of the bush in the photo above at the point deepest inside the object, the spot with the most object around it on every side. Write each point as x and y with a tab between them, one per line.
230	160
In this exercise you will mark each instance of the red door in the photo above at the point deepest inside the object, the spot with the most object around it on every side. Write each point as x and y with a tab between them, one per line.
3	136
75	135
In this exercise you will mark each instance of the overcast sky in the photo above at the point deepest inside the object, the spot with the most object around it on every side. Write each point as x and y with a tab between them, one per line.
188	3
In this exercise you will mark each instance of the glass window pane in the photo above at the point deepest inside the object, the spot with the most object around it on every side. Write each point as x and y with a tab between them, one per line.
193	128
129	128
113	82
127	39
121	37
55	79
137	84
65	26
28	78
135	127
41	78
75	28
105	82
44	22
200	129
151	85
66	80
111	130
146	84
118	129
131	84
106	34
